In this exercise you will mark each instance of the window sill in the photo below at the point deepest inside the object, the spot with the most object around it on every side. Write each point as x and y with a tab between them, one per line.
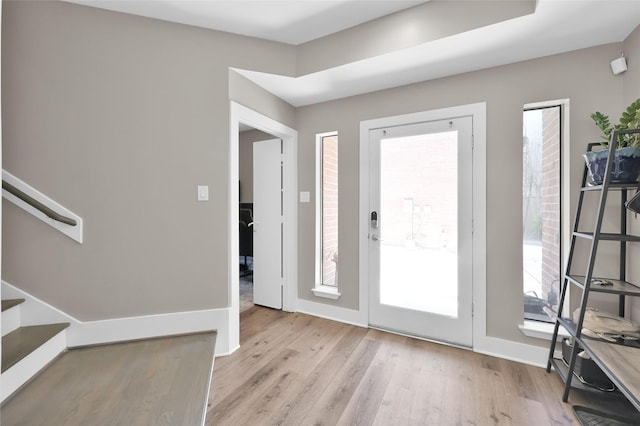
541	330
326	291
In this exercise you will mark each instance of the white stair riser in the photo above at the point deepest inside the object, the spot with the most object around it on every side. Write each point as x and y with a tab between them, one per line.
10	320
29	366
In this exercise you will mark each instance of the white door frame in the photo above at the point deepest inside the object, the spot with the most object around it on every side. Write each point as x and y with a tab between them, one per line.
478	112
241	114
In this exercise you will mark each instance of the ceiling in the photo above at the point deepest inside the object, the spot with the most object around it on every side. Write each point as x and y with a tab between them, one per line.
286	21
557	26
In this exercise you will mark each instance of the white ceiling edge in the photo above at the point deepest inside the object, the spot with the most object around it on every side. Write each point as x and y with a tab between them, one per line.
285	21
556	27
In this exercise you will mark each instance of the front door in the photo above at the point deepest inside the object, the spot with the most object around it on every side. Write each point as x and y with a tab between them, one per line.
420	230
267	223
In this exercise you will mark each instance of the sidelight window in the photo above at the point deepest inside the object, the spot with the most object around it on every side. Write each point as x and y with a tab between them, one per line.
541	211
327	254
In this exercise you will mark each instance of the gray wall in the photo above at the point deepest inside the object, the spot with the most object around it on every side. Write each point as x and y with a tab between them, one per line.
119	118
632	76
245	92
582	76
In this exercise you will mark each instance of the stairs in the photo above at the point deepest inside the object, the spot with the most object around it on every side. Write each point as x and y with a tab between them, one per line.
26	349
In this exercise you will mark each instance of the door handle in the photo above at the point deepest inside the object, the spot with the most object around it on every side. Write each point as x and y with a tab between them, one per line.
376	237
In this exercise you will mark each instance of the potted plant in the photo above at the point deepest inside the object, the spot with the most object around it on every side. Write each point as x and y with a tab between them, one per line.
626	164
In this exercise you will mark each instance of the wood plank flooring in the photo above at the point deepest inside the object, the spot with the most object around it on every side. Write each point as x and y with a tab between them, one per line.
148	382
294	369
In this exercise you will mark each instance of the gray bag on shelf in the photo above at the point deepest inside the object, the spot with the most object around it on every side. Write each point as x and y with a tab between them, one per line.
605	325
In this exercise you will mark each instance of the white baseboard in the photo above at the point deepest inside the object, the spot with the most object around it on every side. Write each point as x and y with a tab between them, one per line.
335	313
513	351
10	320
150	326
82	333
26	368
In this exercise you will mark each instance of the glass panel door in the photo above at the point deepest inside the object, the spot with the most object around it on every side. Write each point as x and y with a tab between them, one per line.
420	230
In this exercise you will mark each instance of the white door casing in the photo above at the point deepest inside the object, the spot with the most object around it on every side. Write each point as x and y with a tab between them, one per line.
242	114
481	341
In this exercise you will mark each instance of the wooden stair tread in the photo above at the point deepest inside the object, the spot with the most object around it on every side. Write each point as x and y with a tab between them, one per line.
10	303
145	382
21	342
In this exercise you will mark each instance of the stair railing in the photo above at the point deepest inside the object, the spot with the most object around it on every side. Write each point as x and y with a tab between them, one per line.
42	207
37	204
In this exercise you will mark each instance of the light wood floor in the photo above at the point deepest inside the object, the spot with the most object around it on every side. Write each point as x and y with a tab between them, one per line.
294	369
148	382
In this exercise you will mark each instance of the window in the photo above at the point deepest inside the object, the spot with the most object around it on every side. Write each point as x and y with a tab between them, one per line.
541	196
327	215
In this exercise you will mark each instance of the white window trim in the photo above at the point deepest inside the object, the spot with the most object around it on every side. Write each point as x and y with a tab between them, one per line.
326	291
320	289
541	330
538	329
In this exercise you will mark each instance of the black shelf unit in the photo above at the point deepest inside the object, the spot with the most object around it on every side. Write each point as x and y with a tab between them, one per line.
619	361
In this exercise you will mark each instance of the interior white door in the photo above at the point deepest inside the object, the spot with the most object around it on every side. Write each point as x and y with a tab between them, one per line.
267	223
420	230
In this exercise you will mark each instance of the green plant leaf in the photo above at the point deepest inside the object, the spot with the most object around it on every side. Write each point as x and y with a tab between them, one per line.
629	120
604	124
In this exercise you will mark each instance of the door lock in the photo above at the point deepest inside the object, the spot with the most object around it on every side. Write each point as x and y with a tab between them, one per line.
374	220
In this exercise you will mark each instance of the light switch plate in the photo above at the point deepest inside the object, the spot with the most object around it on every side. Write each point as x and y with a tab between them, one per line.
304	197
203	193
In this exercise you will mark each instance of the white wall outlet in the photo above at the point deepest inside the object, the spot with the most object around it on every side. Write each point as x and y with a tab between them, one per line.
305	197
203	193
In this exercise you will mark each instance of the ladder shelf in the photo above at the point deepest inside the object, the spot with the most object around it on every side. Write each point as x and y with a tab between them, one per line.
618	359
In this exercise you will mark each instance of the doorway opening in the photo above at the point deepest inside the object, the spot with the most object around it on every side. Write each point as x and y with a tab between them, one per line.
247	137
243	117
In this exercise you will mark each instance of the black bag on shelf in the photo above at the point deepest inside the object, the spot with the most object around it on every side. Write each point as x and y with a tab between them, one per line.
586	370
